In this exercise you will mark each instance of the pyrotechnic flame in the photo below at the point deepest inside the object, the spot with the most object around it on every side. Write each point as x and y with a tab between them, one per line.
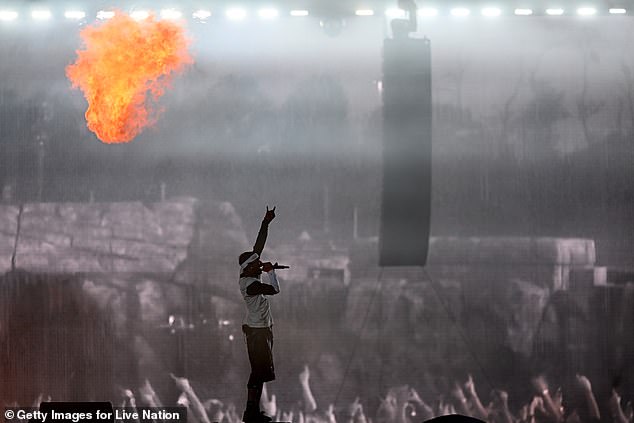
124	69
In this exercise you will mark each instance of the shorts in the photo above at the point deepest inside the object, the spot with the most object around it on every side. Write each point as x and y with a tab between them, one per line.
260	348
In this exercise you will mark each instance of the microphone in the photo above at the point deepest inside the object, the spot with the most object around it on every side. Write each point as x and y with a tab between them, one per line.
277	266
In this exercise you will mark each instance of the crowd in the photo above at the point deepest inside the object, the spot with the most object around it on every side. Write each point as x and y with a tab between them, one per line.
403	404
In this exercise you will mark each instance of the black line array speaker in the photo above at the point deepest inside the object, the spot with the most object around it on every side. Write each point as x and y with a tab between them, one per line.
407	113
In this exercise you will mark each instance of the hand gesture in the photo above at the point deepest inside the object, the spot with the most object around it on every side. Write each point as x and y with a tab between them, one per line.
457	393
414	397
270	406
355	407
181	383
304	375
614	403
500	398
540	384
270	215
469	386
584	383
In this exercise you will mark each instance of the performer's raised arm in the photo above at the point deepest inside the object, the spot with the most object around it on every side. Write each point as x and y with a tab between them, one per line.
264	231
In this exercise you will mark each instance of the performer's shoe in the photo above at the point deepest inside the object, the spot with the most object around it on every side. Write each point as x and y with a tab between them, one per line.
255	417
264	418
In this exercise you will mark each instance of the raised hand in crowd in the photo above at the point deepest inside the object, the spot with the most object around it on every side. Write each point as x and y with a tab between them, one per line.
629	411
310	405
586	387
476	405
231	414
214	409
541	387
287	416
460	400
614	405
131	400
184	402
499	407
422	409
353	409
148	395
268	405
387	411
196	406
330	413
403	396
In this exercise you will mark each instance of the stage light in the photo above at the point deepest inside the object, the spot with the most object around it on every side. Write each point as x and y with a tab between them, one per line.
201	14
617	11
8	15
298	13
268	13
555	12
105	14
460	12
139	15
395	13
491	12
74	14
586	11
41	14
523	12
236	14
364	12
171	14
427	12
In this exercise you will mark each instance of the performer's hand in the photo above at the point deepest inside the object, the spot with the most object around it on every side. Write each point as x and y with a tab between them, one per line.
267	267
270	215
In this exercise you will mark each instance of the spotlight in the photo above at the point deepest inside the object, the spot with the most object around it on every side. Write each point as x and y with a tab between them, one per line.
139	15
395	13
617	11
364	12
105	14
491	12
41	14
74	14
555	12
236	14
8	15
171	14
268	13
427	12
460	12
586	11
298	13
201	14
523	12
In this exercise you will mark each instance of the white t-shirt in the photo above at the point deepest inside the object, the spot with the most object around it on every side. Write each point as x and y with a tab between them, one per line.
258	308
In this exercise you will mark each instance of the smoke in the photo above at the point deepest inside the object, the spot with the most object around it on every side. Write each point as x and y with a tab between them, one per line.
124	69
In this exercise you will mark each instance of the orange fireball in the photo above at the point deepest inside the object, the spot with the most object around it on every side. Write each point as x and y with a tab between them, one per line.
124	69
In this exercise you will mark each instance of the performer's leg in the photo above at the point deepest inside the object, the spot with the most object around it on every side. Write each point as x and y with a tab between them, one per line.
254	393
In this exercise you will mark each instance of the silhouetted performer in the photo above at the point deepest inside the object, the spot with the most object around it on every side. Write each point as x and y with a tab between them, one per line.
258	323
